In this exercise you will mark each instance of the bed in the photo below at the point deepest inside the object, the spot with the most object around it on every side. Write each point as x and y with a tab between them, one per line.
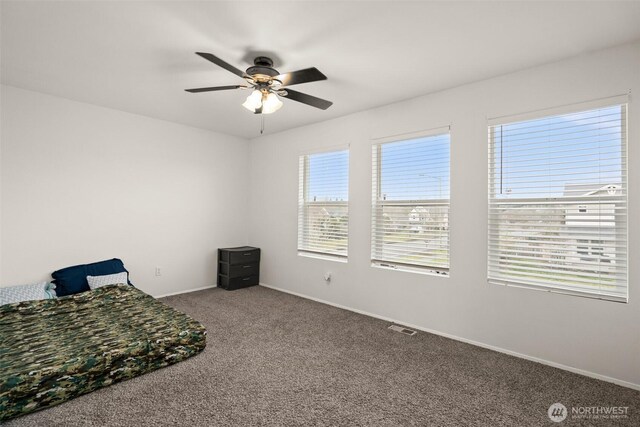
57	349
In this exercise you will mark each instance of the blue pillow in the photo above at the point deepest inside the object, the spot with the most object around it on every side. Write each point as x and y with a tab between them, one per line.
73	280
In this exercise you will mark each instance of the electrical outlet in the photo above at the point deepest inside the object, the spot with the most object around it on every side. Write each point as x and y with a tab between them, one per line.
158	271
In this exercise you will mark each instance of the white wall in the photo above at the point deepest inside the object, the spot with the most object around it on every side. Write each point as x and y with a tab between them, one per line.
81	183
596	336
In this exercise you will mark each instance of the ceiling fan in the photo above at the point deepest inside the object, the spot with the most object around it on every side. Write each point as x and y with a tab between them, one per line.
267	84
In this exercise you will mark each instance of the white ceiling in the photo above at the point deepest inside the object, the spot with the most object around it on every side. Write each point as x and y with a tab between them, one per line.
139	56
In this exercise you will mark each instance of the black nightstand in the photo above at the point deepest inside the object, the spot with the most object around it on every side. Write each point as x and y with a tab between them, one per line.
238	267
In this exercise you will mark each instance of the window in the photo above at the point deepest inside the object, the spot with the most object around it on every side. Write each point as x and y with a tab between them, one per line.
323	210
410	225
558	202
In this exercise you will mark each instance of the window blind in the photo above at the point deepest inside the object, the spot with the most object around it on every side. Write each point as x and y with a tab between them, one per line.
323	210
410	224
558	203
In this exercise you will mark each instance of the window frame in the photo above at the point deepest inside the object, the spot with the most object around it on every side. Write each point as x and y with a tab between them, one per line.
303	203
584	247
378	204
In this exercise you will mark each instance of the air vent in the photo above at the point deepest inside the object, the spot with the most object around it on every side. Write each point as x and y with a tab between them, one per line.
402	330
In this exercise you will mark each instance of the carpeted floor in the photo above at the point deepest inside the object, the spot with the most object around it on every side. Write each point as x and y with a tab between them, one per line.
276	359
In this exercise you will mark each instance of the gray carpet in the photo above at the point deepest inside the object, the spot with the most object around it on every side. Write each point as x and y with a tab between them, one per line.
276	359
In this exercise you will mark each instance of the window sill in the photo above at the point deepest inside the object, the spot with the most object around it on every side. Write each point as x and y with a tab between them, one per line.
326	257
553	290
407	269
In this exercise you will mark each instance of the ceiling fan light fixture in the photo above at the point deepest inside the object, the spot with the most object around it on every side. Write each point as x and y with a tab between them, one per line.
254	101
271	104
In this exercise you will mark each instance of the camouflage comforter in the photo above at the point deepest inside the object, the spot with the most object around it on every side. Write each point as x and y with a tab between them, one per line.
54	350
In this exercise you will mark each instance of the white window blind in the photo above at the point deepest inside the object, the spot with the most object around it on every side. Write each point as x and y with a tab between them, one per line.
410	224
558	203
323	210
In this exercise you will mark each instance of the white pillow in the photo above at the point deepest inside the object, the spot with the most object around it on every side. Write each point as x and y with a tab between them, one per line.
35	291
96	282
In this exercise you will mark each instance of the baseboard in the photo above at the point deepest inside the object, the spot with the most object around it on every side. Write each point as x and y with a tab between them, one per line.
468	341
185	292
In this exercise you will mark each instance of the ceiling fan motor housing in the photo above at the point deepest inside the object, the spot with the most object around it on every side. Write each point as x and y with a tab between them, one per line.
262	69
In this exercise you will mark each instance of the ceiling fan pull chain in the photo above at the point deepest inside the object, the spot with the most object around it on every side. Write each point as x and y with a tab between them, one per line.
261	124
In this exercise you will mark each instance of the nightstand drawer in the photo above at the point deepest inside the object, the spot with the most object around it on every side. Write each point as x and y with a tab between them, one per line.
230	283
240	270
244	257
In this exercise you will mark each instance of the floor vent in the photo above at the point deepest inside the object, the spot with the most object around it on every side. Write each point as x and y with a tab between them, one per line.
402	330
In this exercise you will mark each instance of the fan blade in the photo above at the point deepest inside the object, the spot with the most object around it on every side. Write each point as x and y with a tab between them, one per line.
211	89
307	99
219	62
301	76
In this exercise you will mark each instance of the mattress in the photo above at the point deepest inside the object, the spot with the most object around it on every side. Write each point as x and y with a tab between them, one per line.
54	350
